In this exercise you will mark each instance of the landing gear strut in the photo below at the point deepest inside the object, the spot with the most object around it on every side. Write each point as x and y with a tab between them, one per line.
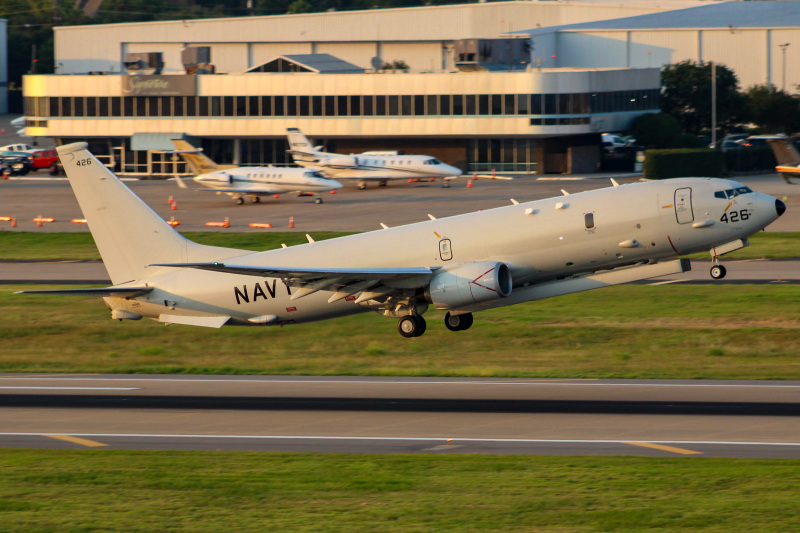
412	326
458	322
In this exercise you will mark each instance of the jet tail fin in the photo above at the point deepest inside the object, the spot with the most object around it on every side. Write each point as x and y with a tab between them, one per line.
128	233
299	143
785	152
196	160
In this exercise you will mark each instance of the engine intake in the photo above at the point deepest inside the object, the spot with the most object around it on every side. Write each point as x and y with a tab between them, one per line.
469	283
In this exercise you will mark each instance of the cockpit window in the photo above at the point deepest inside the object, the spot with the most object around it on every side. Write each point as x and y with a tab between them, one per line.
313	174
727	194
431	161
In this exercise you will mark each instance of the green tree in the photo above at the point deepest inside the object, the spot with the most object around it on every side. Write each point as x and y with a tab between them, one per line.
686	95
774	111
658	131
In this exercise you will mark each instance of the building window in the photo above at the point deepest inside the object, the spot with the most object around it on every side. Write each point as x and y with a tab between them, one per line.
458	104
394	105
405	104
419	105
444	104
433	105
355	106
369	106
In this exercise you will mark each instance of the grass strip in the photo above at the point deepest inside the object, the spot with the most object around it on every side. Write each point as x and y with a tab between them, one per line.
31	246
110	490
668	331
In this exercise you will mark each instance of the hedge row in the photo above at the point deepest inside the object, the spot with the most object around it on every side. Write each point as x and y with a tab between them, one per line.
661	164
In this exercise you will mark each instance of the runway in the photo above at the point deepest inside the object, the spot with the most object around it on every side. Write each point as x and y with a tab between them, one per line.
403	415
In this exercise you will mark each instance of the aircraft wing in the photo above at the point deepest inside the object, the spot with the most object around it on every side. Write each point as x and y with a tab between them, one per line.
347	282
123	292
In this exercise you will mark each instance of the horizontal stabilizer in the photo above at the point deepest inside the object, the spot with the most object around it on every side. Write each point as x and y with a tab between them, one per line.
121	292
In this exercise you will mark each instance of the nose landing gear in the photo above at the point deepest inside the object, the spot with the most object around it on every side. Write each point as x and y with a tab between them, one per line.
718	271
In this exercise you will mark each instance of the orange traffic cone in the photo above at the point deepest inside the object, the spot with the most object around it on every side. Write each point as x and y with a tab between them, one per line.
226	224
39	221
171	200
469	184
13	222
174	206
291	222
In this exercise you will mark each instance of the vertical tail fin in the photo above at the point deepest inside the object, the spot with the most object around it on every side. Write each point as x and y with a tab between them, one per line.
128	233
299	142
196	160
785	152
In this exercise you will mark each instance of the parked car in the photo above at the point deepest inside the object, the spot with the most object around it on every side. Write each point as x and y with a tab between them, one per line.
729	142
755	141
44	158
612	142
24	157
17	148
13	166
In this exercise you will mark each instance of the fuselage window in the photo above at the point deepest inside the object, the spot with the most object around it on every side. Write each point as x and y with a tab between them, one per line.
588	220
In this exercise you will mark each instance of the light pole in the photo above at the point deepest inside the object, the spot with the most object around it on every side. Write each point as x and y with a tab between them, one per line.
783	52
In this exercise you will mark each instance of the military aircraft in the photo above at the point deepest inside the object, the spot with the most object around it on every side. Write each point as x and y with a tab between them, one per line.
786	155
379	166
460	264
253	182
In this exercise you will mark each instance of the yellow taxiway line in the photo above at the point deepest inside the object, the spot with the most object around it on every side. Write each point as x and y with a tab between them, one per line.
664	448
77	440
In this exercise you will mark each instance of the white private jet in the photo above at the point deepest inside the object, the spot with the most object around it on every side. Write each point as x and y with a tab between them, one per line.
786	156
379	166
253	182
461	264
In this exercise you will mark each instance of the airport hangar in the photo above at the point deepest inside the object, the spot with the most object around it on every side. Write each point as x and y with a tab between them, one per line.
505	85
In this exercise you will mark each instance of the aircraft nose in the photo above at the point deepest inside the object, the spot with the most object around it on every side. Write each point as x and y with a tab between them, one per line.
780	207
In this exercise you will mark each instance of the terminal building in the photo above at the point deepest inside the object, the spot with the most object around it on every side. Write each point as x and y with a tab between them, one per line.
502	85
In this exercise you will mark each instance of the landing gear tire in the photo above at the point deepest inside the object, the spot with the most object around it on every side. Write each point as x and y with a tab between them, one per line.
239	201
718	271
317	200
458	322
412	326
361	186
256	199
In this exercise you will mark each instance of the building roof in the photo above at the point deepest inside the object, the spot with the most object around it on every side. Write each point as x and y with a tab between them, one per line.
762	14
319	63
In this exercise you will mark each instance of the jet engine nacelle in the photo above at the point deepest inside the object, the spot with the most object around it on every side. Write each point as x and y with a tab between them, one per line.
342	161
469	283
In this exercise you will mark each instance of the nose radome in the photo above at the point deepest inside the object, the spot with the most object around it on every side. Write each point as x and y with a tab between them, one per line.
780	207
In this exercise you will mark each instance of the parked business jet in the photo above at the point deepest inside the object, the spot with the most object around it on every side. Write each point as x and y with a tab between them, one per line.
379	166
786	155
253	182
461	264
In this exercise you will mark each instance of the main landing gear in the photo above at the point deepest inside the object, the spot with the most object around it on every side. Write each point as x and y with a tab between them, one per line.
412	326
458	322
